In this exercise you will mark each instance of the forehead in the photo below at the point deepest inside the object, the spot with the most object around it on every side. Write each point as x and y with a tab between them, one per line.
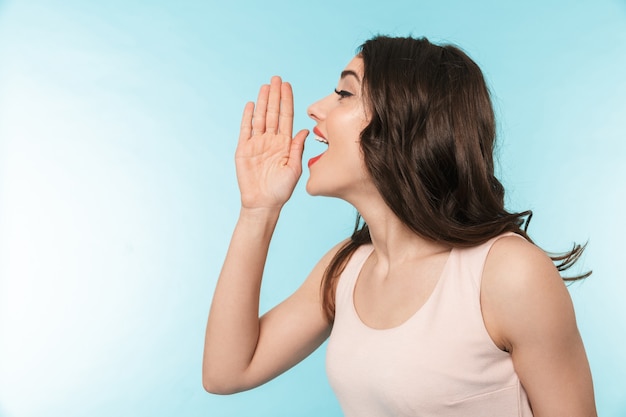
354	69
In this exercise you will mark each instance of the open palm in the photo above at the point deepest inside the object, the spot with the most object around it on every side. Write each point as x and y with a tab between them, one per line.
268	159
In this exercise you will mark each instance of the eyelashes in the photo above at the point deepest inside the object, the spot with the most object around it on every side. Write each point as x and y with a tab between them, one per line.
343	93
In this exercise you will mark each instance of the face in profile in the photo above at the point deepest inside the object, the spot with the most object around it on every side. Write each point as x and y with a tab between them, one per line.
340	118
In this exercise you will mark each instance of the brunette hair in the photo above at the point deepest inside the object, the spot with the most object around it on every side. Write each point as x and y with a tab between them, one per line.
429	150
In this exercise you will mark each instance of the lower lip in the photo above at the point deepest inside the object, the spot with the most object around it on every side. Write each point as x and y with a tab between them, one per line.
314	160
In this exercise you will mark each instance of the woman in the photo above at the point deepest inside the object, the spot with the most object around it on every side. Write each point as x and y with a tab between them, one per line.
439	303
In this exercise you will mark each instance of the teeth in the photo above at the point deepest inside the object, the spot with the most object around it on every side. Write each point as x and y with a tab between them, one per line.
320	139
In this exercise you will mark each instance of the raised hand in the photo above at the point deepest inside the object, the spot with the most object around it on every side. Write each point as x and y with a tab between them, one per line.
268	159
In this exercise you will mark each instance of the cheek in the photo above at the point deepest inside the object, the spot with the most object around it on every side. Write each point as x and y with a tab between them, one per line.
348	125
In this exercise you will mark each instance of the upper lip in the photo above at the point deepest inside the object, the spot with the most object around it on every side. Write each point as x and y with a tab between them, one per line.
319	134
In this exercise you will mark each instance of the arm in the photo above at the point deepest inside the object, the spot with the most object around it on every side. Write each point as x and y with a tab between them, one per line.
242	351
529	313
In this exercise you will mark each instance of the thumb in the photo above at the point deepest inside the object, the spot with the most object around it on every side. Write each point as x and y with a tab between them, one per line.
297	147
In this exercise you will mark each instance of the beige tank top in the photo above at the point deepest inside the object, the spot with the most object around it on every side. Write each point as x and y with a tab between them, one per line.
440	362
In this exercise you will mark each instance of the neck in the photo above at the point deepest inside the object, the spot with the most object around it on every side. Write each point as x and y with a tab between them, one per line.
393	240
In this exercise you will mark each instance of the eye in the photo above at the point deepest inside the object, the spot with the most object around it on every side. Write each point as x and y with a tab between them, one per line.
343	93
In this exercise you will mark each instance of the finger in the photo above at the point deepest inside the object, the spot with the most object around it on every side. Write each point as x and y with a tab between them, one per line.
245	130
273	105
258	120
285	121
297	148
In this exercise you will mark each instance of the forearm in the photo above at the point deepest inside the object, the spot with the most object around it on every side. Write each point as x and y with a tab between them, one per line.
233	324
269	164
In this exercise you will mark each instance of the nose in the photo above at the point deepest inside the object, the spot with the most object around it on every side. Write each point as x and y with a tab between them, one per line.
318	110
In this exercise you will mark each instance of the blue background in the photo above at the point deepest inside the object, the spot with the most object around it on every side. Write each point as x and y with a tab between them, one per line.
118	125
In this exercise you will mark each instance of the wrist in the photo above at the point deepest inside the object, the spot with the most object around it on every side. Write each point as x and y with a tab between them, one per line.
259	214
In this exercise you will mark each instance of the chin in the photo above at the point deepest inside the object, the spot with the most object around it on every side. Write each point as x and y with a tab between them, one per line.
315	190
322	188
310	189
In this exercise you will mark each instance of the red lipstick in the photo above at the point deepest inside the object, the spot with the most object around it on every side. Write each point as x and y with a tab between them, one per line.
314	159
320	138
317	132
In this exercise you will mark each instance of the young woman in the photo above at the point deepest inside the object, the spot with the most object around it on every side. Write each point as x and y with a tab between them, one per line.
439	304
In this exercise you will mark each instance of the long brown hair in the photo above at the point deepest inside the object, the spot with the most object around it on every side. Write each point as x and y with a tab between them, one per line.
429	150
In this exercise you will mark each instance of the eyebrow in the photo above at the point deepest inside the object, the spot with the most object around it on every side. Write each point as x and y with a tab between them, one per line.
346	73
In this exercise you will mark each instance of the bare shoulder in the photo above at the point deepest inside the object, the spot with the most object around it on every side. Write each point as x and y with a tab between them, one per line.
512	254
310	290
319	269
528	312
307	299
333	251
514	264
520	287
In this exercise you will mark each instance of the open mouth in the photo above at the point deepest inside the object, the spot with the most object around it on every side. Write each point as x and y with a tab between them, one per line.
321	139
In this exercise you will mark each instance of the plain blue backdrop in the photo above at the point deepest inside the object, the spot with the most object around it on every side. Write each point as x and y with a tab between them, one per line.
118	125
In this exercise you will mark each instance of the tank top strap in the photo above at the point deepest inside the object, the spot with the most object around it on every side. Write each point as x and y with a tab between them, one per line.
475	257
348	278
